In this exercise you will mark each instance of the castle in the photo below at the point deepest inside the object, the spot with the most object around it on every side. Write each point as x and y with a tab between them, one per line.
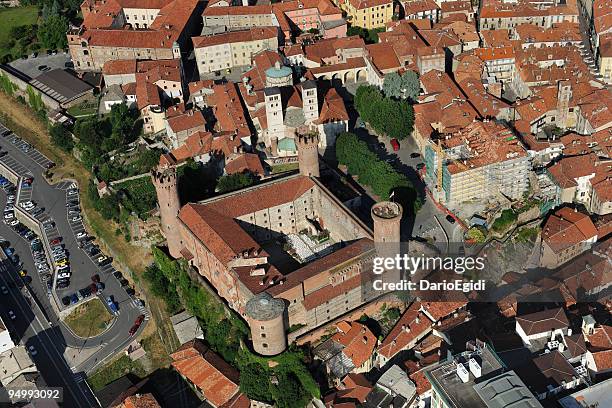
287	254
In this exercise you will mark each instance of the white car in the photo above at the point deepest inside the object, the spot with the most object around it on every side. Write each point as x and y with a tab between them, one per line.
75	219
4	290
81	235
13	223
11	197
11	314
73	192
64	275
9	216
32	351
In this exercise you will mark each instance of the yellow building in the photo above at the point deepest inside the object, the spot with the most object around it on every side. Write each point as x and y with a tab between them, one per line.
368	14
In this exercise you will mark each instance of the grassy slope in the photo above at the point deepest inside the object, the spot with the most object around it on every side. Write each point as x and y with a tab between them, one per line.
13	17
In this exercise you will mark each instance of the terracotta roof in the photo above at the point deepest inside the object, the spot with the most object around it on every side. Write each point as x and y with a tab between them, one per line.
413	7
244	162
216	379
195	145
490	54
252	34
191	119
383	56
411	325
364	4
568	169
540	322
333	108
555	368
163	32
238	401
141	401
439	310
358	342
228	110
147	93
576	345
566	228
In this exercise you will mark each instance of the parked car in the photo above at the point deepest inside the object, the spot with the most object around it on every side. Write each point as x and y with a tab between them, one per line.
112	306
137	324
450	219
66	300
415	155
395	144
117	274
81	235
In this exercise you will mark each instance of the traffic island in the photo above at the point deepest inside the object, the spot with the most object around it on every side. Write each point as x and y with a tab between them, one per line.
89	319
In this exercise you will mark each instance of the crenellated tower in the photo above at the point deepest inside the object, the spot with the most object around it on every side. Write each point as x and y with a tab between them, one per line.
165	181
308	153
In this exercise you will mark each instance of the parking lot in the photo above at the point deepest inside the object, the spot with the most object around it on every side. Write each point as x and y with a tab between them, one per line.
57	209
34	66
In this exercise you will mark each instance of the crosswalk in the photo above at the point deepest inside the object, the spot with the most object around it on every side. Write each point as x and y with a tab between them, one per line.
79	377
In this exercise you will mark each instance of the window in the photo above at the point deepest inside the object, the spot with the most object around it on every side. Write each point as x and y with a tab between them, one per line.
265	345
263	335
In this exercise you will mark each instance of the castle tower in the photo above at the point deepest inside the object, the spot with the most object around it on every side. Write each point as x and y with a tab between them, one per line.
308	153
266	318
165	181
387	218
310	101
564	95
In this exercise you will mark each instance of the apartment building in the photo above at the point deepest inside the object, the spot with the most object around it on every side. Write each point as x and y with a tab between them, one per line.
499	62
584	180
368	14
505	14
234	48
291	17
115	30
478	162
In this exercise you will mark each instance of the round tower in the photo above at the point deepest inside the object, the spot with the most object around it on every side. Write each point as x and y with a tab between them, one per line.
308	153
165	181
387	216
266	317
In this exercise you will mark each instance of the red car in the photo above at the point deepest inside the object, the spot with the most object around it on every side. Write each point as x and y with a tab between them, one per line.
95	278
55	241
137	324
395	144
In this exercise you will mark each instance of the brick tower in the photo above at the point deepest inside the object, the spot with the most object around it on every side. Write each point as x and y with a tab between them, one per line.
308	153
266	317
387	218
165	181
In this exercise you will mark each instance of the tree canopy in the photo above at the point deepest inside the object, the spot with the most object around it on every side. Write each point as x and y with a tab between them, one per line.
235	181
362	162
387	116
61	137
406	86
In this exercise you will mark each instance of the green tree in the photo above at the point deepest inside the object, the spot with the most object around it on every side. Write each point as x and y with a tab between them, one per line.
406	86
52	32
394	118
235	181
61	137
255	382
289	392
122	123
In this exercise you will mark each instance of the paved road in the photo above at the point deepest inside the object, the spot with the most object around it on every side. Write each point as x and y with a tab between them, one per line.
53	199
31	328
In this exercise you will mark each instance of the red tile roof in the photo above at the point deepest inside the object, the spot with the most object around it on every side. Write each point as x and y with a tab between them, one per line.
358	342
191	119
216	379
540	322
244	162
566	228
411	325
141	401
252	34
